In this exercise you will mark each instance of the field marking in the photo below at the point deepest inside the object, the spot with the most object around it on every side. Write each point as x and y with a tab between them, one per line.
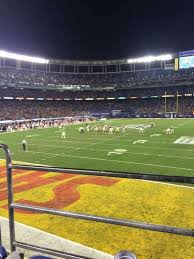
117	152
110	144
140	141
185	140
129	152
32	136
136	146
155	135
116	138
113	144
153	182
183	124
114	160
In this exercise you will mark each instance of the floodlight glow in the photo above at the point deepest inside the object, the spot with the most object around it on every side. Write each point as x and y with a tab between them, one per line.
5	54
148	59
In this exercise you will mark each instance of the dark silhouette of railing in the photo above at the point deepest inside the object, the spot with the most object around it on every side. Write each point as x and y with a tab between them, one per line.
115	221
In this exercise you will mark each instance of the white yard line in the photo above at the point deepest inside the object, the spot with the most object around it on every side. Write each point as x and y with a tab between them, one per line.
114	160
113	144
153	182
183	124
108	150
118	137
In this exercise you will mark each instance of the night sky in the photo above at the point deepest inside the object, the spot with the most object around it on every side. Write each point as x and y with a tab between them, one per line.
96	29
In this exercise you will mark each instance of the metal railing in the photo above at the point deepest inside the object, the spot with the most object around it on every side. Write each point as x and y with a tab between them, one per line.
115	221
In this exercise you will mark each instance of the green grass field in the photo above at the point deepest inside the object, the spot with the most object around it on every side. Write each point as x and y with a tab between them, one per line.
151	152
91	150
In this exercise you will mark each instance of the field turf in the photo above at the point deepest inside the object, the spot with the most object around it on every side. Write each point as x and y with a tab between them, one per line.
136	200
91	150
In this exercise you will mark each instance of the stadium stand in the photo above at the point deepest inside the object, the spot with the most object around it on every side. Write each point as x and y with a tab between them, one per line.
133	92
140	79
34	92
13	110
32	97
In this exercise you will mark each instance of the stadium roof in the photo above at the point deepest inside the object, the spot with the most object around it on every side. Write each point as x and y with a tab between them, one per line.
39	60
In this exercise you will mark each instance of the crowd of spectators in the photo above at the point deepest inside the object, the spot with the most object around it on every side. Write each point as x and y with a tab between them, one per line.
15	109
16	99
72	95
29	78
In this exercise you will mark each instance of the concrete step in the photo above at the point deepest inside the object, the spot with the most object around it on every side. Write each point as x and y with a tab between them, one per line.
38	237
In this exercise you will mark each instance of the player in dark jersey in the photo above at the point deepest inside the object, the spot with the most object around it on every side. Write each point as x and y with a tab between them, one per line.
24	145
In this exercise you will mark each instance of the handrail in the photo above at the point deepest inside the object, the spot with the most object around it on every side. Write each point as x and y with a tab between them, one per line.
10	195
129	175
107	220
121	222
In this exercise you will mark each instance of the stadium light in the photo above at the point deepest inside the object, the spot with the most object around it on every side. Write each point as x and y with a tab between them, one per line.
148	59
5	54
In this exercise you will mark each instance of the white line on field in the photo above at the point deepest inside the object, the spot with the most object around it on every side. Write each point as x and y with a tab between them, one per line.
113	144
153	182
108	150
127	140
114	160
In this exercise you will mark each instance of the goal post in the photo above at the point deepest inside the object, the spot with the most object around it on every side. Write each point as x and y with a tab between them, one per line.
168	111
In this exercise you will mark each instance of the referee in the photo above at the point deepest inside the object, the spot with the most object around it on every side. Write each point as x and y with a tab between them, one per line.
24	145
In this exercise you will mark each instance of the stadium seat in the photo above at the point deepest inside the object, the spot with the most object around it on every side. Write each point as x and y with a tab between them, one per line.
15	255
125	255
3	252
39	257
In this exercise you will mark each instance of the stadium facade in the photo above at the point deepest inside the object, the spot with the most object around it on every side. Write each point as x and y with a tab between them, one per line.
151	86
154	86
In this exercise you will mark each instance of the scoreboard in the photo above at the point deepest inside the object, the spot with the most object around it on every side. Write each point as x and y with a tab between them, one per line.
185	60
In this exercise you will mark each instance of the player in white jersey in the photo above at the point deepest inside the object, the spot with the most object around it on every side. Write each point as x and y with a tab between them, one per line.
88	128
63	135
96	129
81	130
104	128
99	127
117	129
141	130
123	129
171	130
168	131
110	131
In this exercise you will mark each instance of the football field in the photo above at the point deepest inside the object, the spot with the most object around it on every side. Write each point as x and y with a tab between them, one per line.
151	152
